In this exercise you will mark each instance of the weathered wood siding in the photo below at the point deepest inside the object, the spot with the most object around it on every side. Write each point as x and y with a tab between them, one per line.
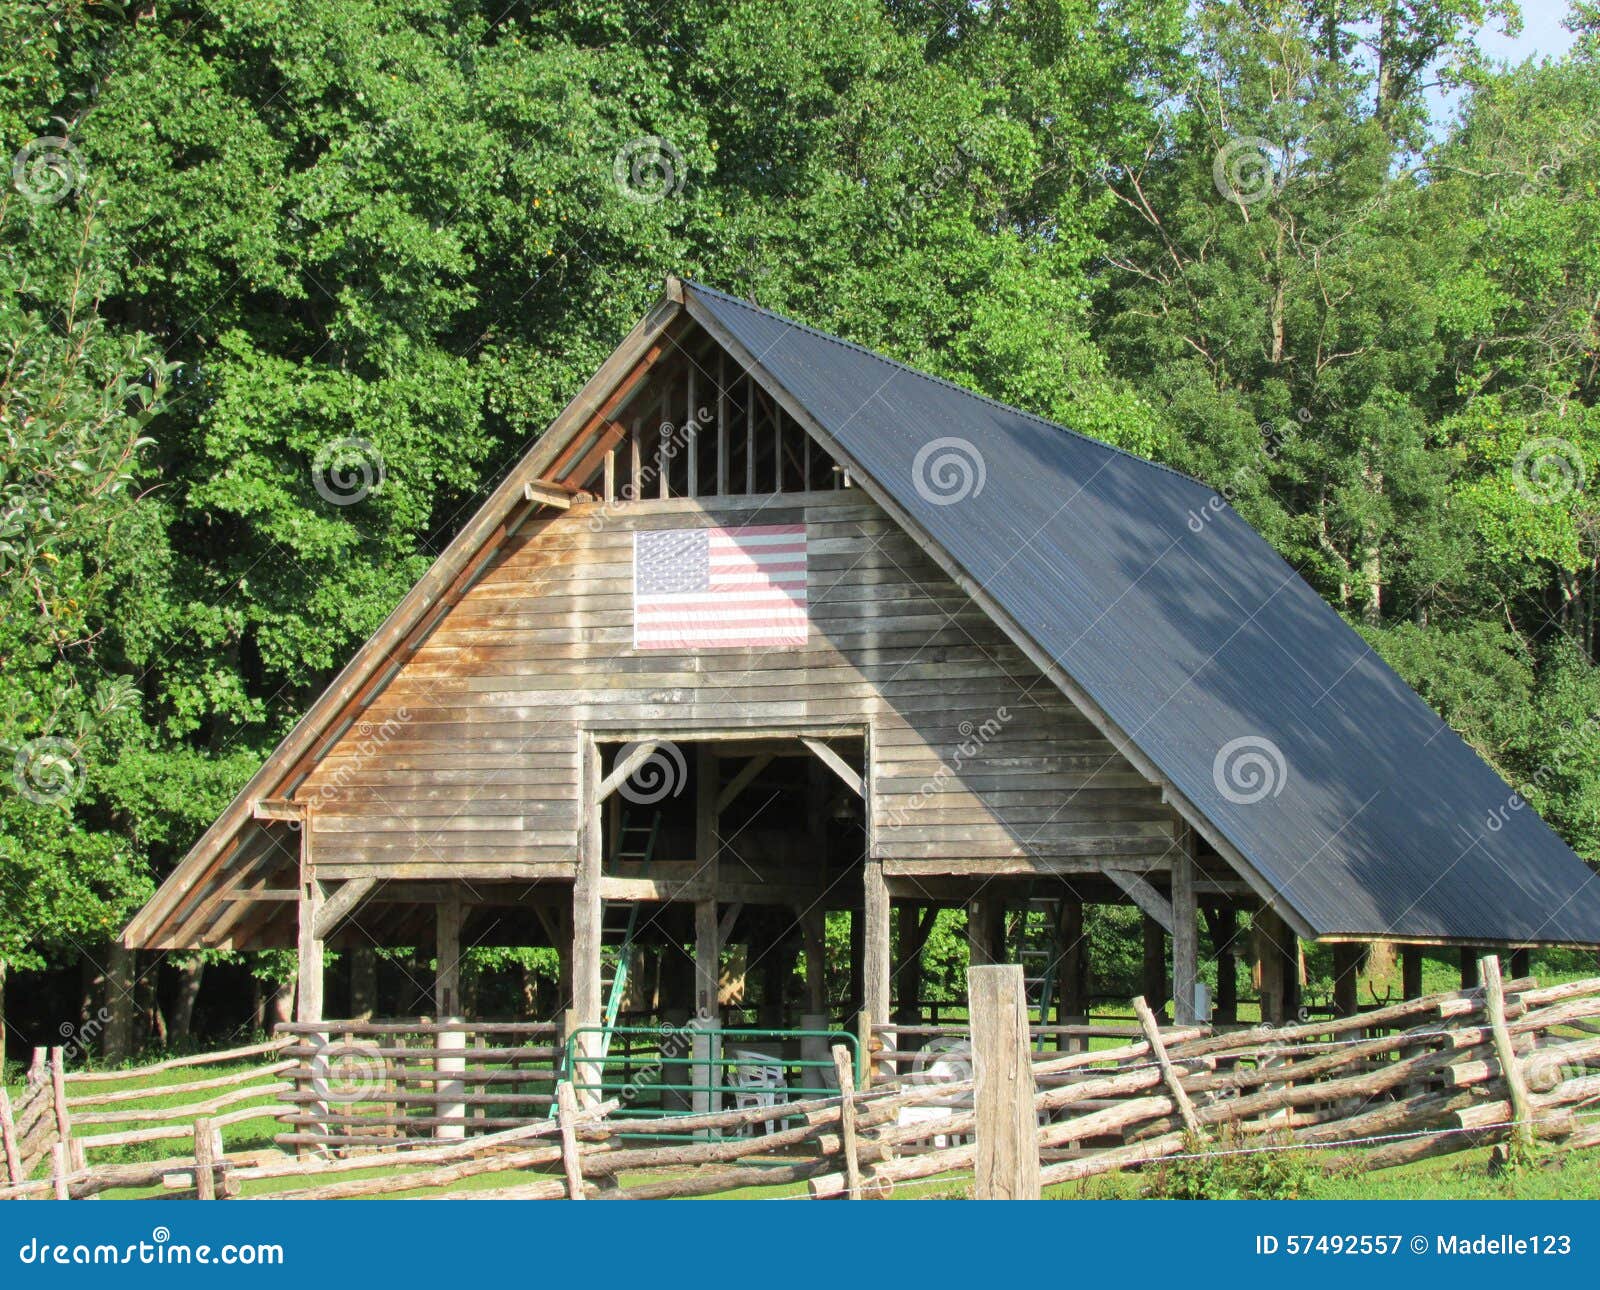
468	761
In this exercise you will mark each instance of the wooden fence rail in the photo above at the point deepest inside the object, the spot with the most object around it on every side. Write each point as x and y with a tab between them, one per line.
1507	1062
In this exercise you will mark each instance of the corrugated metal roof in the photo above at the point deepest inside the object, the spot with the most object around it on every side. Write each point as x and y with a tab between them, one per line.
1331	778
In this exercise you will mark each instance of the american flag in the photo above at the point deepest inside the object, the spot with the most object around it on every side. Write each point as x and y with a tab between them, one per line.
720	588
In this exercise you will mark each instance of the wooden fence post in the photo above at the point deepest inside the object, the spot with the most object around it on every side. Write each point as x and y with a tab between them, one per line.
58	1170
8	1139
571	1161
205	1161
1495	1003
847	1120
1007	1159
1169	1072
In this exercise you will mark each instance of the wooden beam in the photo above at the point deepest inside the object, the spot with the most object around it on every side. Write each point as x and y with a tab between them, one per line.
308	978
742	780
339	904
1185	931
542	492
875	969
1346	970
730	916
1411	971
837	764
275	808
625	768
262	893
1146	897
1006	1163
1516	1086
586	909
447	958
1169	1073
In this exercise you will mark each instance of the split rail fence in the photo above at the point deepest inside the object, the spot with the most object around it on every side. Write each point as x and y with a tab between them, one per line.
1505	1062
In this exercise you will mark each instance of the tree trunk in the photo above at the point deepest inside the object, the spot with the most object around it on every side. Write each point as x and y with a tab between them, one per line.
119	1003
191	972
363	983
281	1007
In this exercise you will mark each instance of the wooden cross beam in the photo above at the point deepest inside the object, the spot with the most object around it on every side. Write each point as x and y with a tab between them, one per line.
837	764
547	494
334	909
741	781
624	768
1143	895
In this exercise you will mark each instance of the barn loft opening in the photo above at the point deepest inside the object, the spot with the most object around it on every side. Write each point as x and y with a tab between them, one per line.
698	425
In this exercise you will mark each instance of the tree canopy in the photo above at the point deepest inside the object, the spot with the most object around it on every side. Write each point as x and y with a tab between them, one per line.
285	285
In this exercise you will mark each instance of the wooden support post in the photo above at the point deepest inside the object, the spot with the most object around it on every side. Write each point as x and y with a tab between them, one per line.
308	981
8	1140
813	925
1185	932
908	969
1224	923
1169	1073
586	916
707	959
447	955
59	1171
875	957
1072	973
1006	1166
58	1094
1346	974
1469	966
1521	961
1411	971
707	930
1154	975
571	1160
1516	1086
1277	952
205	1161
847	1120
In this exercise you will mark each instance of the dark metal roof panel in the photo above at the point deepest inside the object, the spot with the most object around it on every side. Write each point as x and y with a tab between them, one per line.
1332	778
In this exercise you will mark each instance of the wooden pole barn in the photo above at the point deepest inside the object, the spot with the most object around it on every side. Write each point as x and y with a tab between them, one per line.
766	627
